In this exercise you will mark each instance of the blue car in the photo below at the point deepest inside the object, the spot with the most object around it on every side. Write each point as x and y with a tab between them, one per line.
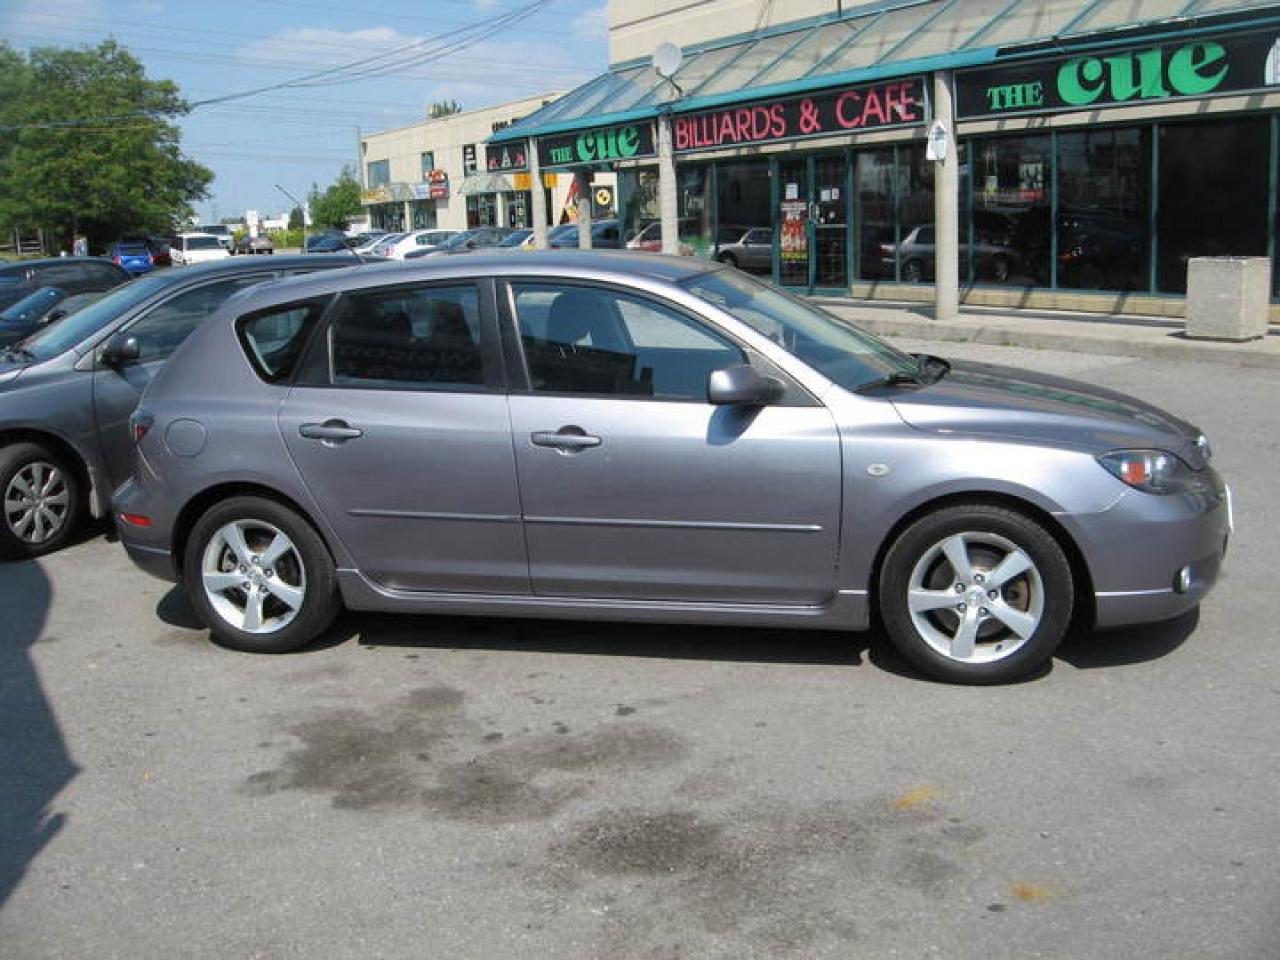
132	256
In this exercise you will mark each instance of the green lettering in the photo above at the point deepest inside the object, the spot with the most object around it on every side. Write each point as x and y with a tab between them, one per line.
1035	94
1188	66
1078	81
561	155
585	148
628	142
1148	85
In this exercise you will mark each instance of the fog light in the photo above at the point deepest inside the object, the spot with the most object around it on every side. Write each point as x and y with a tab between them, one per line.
1182	582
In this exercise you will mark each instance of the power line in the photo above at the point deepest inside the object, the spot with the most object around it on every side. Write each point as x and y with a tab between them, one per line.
362	68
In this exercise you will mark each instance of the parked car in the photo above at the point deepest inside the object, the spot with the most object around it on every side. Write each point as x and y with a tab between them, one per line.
159	247
417	240
649	239
770	465
747	248
133	256
332	242
481	238
516	238
604	236
189	248
66	393
380	246
44	306
993	259
72	274
260	244
219	230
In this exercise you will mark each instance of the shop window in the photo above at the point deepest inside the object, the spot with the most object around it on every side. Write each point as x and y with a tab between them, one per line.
482	210
637	200
1213	194
693	194
1012	179
427	163
875	201
1103	202
379	173
469	159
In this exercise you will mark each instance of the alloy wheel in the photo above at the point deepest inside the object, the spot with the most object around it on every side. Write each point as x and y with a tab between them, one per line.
975	597
253	576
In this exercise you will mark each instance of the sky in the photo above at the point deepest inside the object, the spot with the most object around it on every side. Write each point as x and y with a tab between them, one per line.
299	137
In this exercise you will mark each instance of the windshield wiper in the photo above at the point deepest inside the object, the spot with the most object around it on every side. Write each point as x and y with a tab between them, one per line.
892	380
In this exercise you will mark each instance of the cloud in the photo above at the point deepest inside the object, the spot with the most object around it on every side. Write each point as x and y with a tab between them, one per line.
322	47
592	24
147	8
44	19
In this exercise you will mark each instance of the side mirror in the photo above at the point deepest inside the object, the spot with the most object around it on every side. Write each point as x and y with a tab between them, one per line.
120	350
743	386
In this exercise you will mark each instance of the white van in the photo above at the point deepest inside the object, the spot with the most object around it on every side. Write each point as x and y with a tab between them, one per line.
191	248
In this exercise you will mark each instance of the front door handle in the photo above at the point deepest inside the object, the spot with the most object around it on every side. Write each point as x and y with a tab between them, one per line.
331	431
567	439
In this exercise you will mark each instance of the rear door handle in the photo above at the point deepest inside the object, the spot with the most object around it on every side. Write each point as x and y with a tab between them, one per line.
331	431
566	439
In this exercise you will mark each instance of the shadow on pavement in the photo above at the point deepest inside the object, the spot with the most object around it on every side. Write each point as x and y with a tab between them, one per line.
34	764
1128	645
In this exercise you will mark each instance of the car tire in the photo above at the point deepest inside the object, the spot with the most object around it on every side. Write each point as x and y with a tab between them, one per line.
998	620
913	271
730	259
1001	269
41	501
255	591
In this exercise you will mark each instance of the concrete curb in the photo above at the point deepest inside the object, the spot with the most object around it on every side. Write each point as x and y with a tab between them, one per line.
1111	337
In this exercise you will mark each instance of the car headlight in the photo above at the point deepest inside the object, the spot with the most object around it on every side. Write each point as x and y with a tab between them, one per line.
1152	471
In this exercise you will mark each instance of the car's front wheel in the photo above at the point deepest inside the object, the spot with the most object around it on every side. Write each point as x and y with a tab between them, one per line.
41	501
976	593
259	576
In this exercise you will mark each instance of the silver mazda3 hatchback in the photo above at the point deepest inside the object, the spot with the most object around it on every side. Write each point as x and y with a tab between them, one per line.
631	437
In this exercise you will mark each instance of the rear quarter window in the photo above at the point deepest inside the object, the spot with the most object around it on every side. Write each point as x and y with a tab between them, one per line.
274	339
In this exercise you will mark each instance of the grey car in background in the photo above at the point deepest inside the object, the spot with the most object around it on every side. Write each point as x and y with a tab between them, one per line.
649	438
66	393
747	248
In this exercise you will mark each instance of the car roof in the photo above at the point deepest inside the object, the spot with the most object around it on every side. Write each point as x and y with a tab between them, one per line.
560	264
49	261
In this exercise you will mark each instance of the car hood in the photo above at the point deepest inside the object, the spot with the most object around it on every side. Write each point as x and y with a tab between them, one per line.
981	399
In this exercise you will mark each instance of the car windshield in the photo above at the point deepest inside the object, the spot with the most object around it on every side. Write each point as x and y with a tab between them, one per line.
83	324
131	249
459	240
515	239
843	354
203	243
31	307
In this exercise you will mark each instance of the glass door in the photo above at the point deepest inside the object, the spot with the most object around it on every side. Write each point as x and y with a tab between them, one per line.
813	223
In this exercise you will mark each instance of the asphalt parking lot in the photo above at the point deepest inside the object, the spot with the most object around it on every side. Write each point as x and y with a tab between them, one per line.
430	787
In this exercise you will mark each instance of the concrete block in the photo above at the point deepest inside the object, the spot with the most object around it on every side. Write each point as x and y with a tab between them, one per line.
1228	298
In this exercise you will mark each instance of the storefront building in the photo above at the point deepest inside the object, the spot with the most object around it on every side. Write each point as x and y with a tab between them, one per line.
436	175
1098	145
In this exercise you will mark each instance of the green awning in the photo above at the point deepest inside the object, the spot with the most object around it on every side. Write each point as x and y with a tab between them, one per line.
870	42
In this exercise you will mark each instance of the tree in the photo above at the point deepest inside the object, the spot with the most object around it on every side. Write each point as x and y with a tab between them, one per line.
444	108
295	218
86	145
338	204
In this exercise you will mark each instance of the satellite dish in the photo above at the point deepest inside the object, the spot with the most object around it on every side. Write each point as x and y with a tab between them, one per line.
667	59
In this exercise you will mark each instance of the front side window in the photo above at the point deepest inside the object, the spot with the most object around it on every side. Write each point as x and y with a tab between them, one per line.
161	331
606	342
424	338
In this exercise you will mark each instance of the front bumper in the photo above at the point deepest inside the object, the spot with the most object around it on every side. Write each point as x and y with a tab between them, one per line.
1137	550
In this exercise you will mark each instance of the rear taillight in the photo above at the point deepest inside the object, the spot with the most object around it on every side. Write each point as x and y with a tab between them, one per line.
116	259
139	423
136	519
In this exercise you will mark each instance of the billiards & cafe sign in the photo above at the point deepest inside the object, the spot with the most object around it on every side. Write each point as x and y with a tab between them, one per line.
1178	68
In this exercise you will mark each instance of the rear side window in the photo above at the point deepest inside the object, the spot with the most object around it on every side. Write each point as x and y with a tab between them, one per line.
162	331
424	338
274	339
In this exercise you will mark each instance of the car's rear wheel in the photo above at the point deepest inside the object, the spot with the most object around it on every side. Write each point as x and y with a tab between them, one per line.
913	271
41	501
976	593
259	576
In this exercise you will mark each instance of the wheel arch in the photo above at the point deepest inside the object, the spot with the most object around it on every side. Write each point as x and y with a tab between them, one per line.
195	507
65	449
1084	601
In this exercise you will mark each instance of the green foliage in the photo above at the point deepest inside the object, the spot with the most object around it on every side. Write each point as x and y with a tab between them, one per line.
338	204
123	174
444	108
286	239
295	219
